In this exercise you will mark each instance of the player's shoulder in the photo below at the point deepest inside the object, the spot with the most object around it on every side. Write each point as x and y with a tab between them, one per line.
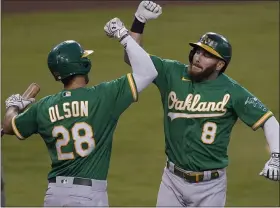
169	61
231	83
113	82
177	66
46	99
105	85
41	103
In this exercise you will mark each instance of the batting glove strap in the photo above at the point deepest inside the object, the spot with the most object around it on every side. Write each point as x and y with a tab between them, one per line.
121	33
275	155
272	168
274	161
123	40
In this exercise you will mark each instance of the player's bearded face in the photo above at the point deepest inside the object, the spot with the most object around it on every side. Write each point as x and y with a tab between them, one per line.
203	65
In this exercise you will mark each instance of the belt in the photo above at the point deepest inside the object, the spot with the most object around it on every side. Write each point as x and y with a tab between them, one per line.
76	181
192	177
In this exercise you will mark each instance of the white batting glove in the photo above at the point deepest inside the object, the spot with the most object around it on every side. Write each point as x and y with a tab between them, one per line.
272	168
18	101
148	10
115	29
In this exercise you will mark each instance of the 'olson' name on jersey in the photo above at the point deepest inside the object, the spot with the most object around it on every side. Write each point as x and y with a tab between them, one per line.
70	109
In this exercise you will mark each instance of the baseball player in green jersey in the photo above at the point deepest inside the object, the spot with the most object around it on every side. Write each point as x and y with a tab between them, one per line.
201	105
77	123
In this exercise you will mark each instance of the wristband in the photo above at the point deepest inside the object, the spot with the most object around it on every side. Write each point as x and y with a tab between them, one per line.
137	26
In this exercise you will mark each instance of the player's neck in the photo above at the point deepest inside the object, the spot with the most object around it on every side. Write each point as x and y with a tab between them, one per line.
75	83
213	76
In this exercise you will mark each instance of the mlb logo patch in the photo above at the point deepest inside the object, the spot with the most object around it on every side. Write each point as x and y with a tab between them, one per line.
67	94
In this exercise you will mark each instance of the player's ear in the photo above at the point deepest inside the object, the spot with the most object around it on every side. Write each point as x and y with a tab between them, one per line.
220	65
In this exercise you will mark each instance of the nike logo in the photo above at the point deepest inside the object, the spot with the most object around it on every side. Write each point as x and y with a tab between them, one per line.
185	79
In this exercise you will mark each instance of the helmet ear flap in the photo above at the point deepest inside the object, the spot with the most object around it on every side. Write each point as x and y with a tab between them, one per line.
86	63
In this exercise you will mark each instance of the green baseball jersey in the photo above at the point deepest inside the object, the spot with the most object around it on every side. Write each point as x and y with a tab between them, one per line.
199	117
78	125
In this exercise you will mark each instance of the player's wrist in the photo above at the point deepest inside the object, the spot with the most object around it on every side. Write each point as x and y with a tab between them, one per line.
13	107
124	40
137	26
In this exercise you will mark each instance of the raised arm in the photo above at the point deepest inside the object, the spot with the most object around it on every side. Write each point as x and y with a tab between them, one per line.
146	11
138	39
143	69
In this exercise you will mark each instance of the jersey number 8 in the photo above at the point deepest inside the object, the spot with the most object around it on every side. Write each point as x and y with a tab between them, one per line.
79	139
209	132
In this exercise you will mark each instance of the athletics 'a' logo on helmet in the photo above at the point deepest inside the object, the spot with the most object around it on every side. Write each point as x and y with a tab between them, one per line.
208	41
68	58
215	44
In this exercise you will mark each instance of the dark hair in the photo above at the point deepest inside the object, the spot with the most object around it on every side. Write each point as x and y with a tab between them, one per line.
66	81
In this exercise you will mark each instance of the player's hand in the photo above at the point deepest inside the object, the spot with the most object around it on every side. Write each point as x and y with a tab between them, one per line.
148	10
272	168
18	101
115	29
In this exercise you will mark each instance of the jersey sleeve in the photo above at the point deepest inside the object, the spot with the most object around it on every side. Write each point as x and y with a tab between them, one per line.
25	124
249	108
122	93
163	67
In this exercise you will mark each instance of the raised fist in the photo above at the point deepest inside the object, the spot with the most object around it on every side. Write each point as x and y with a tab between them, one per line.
147	10
115	29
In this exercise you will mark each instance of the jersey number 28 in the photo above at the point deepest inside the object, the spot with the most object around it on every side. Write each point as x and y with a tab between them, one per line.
79	139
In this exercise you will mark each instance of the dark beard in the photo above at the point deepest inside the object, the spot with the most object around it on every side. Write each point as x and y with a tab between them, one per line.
198	77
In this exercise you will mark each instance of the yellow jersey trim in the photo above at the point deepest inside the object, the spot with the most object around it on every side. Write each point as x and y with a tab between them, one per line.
185	79
15	128
262	120
132	87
